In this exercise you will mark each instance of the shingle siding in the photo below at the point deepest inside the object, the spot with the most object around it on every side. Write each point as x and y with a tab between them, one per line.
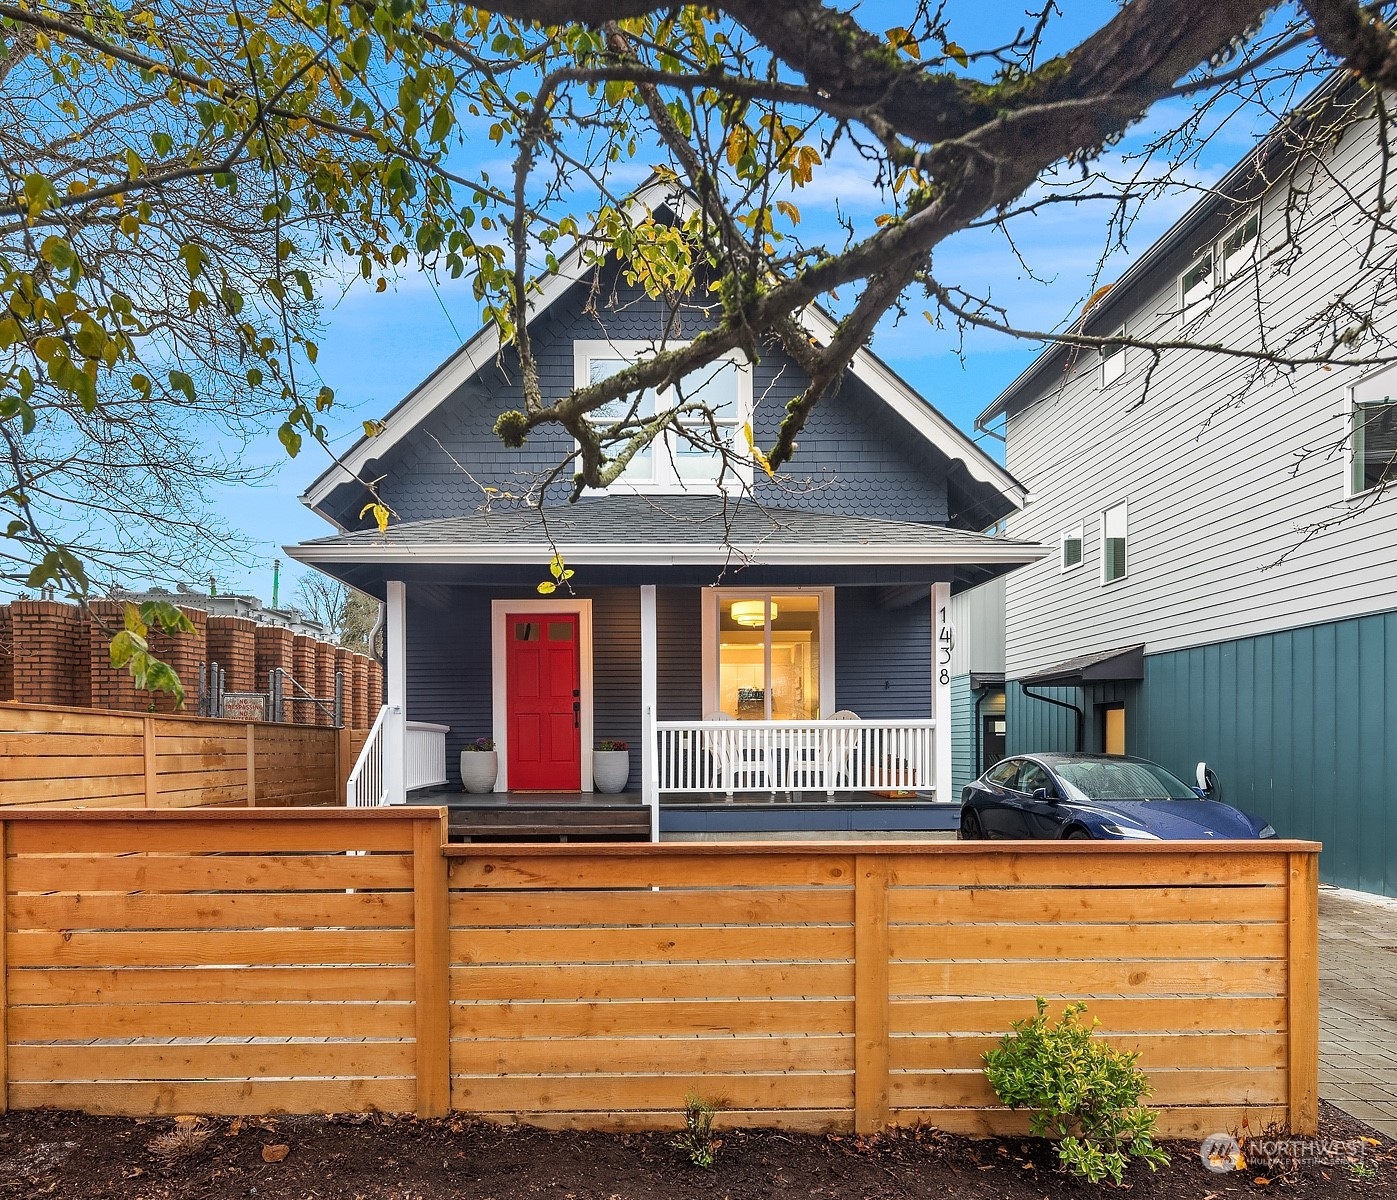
855	455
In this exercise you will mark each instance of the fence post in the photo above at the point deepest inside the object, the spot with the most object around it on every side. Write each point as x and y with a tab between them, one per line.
148	735
870	993
432	955
1302	1016
251	765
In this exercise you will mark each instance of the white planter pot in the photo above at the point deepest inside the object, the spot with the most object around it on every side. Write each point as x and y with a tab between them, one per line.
478	770
610	770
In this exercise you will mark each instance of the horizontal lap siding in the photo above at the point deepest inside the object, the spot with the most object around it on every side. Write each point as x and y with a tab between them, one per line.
963	734
679	644
448	665
616	666
882	656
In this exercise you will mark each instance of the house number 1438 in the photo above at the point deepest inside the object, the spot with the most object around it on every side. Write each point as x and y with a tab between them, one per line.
945	643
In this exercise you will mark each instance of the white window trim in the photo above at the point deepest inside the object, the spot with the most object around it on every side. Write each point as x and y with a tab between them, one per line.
499	611
1079	533
715	597
1190	311
1229	264
735	473
1105	557
1351	406
1113	354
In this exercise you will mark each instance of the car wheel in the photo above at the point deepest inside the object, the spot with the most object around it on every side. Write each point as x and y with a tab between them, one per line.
970	828
1078	835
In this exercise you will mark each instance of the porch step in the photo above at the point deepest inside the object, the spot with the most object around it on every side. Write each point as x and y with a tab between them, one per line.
518	822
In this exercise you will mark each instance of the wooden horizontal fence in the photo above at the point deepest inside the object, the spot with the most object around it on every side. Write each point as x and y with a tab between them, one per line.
237	961
91	758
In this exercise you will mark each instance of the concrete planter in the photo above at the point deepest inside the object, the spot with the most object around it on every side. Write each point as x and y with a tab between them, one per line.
610	770
478	770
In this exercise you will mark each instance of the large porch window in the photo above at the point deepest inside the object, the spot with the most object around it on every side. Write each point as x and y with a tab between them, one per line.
768	655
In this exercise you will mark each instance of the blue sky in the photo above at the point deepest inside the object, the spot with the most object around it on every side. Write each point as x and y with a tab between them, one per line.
377	346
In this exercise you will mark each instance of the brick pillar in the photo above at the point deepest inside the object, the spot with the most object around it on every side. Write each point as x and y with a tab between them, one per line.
232	644
111	687
49	639
7	657
344	663
325	682
303	711
273	650
375	688
363	716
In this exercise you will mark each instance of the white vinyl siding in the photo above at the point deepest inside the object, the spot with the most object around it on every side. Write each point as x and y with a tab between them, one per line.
1220	486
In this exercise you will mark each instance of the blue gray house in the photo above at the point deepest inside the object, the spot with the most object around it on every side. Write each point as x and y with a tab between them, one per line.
767	648
1223	582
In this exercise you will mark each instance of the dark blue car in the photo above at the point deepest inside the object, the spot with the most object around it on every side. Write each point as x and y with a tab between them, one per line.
1110	797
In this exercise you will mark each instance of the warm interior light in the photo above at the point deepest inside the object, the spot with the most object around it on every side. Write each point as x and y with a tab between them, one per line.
752	613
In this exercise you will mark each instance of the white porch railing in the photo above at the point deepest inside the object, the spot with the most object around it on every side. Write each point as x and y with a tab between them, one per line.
424	760
695	757
367	787
425	755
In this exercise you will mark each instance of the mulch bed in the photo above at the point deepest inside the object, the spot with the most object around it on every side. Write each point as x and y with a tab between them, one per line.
66	1156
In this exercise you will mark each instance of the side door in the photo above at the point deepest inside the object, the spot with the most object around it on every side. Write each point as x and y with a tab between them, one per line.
998	799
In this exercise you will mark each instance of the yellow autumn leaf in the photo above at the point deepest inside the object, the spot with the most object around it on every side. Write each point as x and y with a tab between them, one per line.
380	515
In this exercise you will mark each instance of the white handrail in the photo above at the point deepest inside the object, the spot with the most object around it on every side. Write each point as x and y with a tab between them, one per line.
424	755
367	787
694	757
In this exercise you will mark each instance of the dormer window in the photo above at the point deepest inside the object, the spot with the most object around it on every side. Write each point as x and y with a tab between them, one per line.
1196	288
703	454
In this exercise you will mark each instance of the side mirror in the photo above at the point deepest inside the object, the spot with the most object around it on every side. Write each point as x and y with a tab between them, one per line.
1207	781
1043	796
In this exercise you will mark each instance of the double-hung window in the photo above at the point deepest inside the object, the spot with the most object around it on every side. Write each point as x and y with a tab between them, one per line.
1196	287
1113	539
1112	361
1239	245
1373	434
1071	548
707	451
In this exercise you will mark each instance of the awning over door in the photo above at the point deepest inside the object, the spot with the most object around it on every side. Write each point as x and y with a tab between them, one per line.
1105	666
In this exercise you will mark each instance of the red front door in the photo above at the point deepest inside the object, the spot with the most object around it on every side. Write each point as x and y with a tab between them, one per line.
543	690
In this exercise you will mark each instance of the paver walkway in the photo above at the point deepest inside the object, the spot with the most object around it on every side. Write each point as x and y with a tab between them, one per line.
1358	1006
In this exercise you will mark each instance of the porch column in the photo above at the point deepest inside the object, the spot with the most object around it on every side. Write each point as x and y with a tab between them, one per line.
649	699
395	721
943	642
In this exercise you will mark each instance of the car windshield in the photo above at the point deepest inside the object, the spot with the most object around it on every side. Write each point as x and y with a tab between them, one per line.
1117	779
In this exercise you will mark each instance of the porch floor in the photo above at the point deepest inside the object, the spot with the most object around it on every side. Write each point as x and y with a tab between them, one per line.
573	816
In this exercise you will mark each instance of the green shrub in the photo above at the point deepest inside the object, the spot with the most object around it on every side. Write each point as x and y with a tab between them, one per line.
697	1140
1081	1091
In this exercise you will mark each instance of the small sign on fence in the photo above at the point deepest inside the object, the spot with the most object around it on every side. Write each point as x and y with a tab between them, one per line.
245	706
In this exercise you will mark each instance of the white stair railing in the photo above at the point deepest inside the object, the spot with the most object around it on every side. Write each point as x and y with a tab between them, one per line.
425	755
695	757
367	787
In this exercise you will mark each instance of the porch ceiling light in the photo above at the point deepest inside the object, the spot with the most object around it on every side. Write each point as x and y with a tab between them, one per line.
752	613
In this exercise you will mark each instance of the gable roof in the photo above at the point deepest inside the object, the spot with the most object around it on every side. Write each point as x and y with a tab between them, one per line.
481	349
1107	311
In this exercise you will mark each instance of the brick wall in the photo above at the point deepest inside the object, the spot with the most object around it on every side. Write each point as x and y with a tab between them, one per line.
300	708
325	680
111	687
375	688
362	716
344	663
7	660
50	652
232	643
273	650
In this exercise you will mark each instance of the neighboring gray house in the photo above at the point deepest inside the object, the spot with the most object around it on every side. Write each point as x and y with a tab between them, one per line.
1193	608
717	622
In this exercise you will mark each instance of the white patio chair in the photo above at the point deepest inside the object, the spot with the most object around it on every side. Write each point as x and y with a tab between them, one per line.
843	743
721	745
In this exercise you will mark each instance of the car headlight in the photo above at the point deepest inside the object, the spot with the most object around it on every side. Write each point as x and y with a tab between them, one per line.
1267	831
1139	835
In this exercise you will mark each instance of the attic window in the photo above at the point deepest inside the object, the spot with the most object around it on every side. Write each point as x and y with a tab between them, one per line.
1196	287
1239	246
1113	539
1112	361
705	452
1374	444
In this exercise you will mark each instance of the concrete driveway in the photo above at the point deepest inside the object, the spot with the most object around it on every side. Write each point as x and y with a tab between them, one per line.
1358	1006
